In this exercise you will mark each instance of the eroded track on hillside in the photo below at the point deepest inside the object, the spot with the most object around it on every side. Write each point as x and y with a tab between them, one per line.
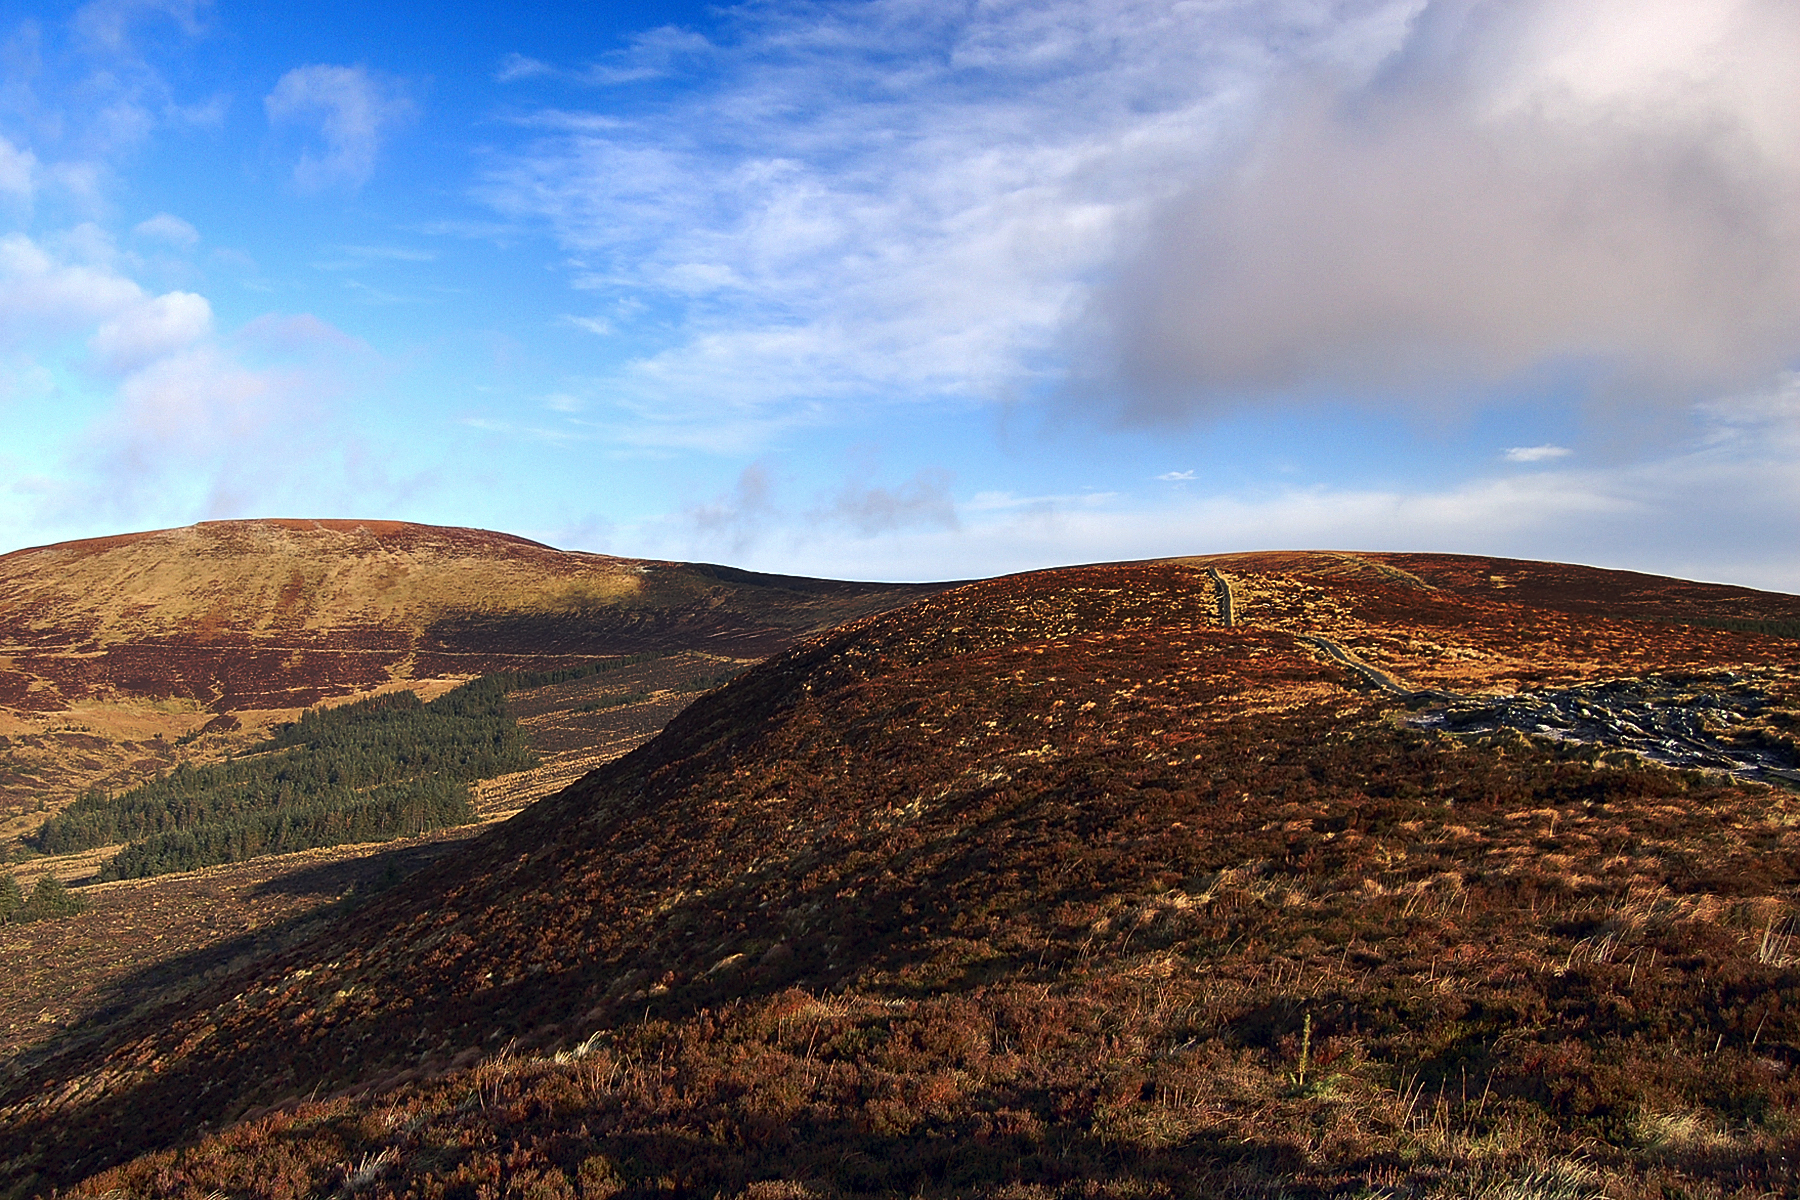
1722	722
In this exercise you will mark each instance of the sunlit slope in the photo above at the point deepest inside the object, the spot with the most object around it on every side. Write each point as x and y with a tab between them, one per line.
245	614
113	648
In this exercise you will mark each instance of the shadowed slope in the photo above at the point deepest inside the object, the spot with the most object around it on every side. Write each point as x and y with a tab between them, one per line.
1058	875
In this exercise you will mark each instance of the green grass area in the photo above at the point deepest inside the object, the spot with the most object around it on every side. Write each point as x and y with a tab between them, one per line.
369	771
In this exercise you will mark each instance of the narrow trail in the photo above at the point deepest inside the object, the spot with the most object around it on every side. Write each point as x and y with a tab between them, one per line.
1227	615
1381	679
1663	721
1373	675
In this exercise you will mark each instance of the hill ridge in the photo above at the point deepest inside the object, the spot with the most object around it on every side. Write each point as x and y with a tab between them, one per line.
1066	810
114	650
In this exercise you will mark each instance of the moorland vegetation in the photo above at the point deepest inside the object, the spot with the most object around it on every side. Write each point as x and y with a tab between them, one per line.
1048	886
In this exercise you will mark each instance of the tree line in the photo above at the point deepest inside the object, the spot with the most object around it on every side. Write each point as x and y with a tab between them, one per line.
376	769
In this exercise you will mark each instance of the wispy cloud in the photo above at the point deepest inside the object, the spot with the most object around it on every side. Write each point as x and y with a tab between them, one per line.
516	66
353	110
883	201
108	24
1532	454
18	172
1727	512
407	254
164	227
1161	211
1176	476
652	54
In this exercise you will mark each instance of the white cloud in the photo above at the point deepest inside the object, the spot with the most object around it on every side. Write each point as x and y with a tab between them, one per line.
1706	515
1607	184
1176	476
151	330
354	110
1725	508
164	227
1531	454
18	170
1160	210
653	54
168	420
44	295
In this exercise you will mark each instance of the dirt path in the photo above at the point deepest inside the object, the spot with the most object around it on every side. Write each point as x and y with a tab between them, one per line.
1227	606
1374	675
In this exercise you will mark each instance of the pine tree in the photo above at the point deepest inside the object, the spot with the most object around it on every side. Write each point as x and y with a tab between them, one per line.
11	898
50	899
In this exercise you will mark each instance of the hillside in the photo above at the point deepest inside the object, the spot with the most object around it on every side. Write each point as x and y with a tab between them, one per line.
121	656
1058	884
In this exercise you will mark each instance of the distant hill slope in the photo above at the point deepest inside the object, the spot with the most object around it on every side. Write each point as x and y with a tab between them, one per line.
1052	883
111	648
1594	591
279	614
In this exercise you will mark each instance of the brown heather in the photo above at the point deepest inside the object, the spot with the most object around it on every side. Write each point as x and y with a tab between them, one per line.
120	656
1046	886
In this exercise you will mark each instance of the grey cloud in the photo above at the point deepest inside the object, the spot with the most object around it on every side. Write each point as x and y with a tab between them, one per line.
750	512
739	517
922	501
1607	187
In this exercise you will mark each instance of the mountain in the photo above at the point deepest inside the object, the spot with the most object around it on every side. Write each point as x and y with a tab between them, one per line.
1293	874
112	649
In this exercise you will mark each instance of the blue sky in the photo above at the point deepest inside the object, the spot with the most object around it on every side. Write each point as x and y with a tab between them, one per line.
914	290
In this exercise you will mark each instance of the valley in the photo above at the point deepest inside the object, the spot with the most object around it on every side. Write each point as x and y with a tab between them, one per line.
122	657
